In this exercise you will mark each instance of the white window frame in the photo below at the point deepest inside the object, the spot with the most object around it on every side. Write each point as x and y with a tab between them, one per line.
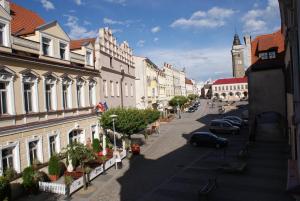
118	89
6	33
89	58
16	156
92	96
55	134
40	156
8	78
112	89
105	90
67	50
80	82
68	82
50	45
52	81
95	126
80	137
33	80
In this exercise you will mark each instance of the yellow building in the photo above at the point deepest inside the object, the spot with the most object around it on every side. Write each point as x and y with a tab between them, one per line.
47	91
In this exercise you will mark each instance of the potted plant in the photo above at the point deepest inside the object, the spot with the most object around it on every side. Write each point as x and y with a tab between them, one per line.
68	182
4	189
54	168
96	145
29	181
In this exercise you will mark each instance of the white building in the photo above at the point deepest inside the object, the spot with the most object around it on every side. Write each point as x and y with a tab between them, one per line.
231	89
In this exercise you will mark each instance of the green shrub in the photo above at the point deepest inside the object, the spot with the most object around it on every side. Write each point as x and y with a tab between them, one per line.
53	166
4	189
151	115
178	100
10	174
96	145
29	182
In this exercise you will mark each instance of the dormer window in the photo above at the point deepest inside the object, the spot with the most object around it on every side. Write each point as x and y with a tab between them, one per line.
267	55
89	58
46	45
63	51
2	34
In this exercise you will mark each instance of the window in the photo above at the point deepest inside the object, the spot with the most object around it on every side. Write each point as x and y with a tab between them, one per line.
93	132
27	97
239	62
110	62
230	87
118	89
2	34
74	136
3	98
126	90
78	90
131	90
223	88
7	159
63	50
234	87
263	55
112	90
216	88
238	87
246	86
65	95
105	88
33	151
226	87
219	88
48	96
46	46
153	92
89	58
53	145
242	86
272	55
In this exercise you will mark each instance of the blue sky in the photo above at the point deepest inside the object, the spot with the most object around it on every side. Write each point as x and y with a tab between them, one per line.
195	34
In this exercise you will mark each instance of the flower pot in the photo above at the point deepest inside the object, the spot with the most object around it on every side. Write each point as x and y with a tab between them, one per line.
53	177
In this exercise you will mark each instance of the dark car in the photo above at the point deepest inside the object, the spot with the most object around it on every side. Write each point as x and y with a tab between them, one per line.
207	139
221	126
233	122
236	119
191	109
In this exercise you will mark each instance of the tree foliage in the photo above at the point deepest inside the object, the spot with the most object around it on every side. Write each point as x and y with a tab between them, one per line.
178	100
151	115
193	97
4	189
96	145
127	122
53	166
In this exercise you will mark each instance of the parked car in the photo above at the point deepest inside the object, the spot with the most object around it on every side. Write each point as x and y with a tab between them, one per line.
233	122
191	109
222	126
207	139
236	119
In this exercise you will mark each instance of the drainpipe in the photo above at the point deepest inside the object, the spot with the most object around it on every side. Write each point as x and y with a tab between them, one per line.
121	83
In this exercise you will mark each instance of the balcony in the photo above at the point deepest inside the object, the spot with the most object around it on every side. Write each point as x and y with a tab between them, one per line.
25	45
77	58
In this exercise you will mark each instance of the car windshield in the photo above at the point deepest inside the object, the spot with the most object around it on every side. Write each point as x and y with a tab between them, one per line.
207	134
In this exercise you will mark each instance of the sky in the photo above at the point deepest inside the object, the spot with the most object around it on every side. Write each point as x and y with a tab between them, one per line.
193	34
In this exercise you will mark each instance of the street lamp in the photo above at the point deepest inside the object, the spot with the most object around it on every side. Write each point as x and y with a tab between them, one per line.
113	116
178	109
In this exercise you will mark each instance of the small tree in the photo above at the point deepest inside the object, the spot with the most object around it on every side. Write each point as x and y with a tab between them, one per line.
4	189
79	152
29	181
54	167
151	115
96	145
178	100
193	97
127	122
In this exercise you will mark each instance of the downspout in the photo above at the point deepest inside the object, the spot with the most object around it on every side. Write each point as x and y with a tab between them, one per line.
121	83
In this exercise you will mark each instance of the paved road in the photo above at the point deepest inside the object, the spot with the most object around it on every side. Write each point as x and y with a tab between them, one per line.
162	157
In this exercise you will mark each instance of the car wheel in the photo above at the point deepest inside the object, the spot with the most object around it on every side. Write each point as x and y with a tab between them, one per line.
194	144
218	146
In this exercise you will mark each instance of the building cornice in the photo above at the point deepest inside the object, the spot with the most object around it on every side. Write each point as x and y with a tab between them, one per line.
116	72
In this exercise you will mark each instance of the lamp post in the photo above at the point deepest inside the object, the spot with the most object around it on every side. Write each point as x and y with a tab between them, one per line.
113	116
178	109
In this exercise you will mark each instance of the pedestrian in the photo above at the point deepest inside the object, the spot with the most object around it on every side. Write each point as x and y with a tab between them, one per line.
157	126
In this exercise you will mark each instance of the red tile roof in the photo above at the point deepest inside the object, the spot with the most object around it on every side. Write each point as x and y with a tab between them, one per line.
188	81
24	21
231	81
266	42
76	44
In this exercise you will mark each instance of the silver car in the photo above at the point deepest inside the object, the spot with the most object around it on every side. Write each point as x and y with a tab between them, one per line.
221	126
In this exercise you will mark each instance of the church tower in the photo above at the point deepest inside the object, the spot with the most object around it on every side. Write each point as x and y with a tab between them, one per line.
237	52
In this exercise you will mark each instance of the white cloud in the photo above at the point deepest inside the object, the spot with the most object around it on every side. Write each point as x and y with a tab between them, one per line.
112	22
85	22
78	2
48	5
155	29
215	17
200	64
259	20
122	2
141	43
77	30
116	31
155	39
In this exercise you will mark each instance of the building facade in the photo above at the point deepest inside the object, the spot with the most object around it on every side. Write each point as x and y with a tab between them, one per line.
47	91
189	86
147	86
162	87
230	89
115	61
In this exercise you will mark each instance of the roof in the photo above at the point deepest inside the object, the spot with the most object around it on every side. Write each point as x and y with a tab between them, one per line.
76	44
267	42
231	81
24	21
236	40
188	81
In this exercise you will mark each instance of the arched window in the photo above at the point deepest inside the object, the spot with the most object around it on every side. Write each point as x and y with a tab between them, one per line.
66	84
6	91
30	91
50	92
80	92
92	92
75	136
